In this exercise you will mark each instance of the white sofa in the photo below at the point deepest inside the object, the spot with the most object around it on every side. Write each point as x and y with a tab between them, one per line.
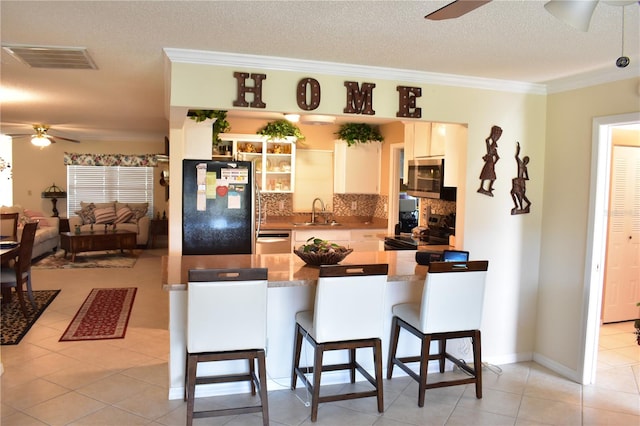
47	236
99	214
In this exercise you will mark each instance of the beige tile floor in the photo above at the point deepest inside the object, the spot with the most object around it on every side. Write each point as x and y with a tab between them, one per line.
124	381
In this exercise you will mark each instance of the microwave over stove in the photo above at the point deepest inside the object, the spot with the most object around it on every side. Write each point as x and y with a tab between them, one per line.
426	179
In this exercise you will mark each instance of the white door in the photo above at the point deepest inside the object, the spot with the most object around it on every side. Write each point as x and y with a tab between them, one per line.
622	273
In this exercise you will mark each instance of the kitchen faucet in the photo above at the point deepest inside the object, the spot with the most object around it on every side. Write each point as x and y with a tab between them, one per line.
313	209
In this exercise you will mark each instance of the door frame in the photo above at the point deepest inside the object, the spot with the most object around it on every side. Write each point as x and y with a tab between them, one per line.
597	238
394	186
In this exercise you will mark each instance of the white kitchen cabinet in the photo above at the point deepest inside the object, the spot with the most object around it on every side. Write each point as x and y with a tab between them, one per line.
439	134
314	178
446	140
422	140
454	146
275	160
367	239
356	168
417	143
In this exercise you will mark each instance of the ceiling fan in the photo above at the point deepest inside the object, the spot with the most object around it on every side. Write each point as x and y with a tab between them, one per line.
576	13
41	138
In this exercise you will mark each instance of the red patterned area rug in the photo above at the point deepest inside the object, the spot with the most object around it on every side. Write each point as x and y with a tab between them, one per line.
104	315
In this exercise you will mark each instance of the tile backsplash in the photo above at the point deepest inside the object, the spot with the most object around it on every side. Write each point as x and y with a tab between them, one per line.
363	205
348	205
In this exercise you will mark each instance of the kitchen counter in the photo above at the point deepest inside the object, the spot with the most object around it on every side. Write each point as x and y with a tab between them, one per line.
288	270
291	289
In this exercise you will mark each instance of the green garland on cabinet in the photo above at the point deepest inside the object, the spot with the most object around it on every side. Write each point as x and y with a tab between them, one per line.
353	133
221	125
281	129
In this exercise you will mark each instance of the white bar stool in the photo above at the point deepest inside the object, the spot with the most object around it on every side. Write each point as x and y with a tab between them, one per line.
451	308
348	314
227	320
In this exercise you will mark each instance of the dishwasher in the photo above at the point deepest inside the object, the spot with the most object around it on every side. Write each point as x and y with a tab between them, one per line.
273	242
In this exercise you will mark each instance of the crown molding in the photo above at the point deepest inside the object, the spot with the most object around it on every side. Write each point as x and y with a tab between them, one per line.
603	75
333	68
591	78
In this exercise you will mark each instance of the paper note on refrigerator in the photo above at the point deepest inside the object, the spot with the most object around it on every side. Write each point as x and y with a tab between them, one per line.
211	185
201	187
234	200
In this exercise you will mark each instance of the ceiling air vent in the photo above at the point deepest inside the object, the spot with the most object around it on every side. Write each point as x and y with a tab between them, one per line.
75	58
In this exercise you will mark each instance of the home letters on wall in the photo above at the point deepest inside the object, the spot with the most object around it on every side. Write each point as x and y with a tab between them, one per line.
358	97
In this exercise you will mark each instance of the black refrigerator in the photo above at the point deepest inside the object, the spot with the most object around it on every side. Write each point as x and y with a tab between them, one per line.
218	212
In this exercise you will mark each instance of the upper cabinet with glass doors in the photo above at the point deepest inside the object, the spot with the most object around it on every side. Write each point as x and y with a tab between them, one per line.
274	159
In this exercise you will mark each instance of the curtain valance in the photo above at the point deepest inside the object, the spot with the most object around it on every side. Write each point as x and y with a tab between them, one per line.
123	160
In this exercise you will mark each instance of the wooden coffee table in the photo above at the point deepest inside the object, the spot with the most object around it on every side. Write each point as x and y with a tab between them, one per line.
74	243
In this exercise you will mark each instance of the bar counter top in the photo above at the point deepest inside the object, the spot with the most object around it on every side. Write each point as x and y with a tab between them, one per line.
288	270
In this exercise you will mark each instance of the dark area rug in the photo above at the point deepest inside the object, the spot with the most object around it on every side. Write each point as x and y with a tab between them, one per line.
103	315
95	259
14	325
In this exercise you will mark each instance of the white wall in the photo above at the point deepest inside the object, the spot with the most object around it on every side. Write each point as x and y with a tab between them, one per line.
561	313
6	179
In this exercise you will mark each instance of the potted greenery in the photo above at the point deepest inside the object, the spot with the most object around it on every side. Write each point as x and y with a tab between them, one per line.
281	129
221	125
354	133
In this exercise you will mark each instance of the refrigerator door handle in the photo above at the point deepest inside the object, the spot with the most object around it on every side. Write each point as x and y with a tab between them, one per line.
256	190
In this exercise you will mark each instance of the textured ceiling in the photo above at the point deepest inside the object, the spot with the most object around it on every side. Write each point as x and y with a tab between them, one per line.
123	99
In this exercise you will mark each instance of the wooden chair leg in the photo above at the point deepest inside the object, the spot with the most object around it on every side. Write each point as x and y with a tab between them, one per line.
264	400
424	366
393	345
186	377
477	362
192	364
252	373
296	355
377	361
20	294
30	291
352	364
442	348
317	375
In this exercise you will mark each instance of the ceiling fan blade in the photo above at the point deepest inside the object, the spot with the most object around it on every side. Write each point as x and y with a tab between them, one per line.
61	138
456	9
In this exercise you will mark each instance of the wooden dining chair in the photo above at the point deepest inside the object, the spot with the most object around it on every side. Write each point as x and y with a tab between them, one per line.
20	274
9	226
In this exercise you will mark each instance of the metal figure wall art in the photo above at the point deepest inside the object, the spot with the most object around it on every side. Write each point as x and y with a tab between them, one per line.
519	185
488	172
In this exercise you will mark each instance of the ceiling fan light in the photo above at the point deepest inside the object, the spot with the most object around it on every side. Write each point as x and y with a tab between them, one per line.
41	141
576	13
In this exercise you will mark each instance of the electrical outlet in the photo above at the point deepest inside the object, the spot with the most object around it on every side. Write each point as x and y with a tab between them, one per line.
354	205
281	205
386	207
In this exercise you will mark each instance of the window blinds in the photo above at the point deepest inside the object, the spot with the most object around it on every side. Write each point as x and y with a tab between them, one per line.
102	184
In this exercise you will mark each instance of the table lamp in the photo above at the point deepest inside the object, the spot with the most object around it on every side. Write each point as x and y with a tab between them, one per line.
53	193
